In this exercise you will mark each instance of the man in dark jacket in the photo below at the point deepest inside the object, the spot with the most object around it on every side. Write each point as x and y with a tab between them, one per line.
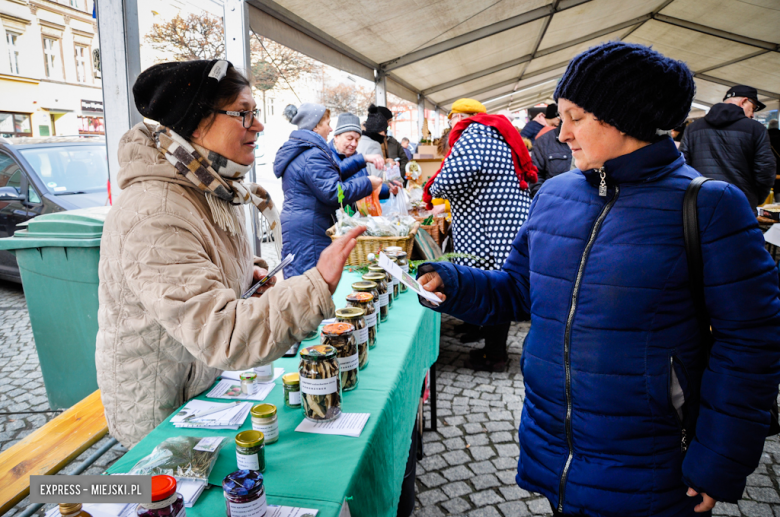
774	141
727	145
551	158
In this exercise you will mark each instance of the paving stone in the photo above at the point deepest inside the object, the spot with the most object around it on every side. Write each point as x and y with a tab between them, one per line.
764	495
458	473
477	417
500	415
507	477
484	481
754	509
477	439
485	498
726	509
455	420
503	436
483	467
433	448
431	497
454	444
509	450
493	427
448	431
539	506
505	463
473	428
514	509
759	479
487	511
513	493
429	511
457	489
431	436
456	457
432	479
433	462
457	505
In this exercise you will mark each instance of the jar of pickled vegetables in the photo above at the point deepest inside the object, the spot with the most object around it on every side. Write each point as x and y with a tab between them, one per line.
292	389
365	301
250	450
341	336
245	494
388	281
366	286
403	262
380	280
320	382
396	282
264	419
166	502
355	316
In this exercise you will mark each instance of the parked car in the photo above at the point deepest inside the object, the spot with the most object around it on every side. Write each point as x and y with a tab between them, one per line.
47	175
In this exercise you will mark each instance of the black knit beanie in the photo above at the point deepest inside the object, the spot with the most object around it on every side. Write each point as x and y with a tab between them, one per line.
377	119
179	95
629	86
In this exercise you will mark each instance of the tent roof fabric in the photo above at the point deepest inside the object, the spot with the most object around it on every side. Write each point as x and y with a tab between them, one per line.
510	53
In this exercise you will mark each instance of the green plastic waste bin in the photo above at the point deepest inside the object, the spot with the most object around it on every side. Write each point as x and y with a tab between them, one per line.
58	258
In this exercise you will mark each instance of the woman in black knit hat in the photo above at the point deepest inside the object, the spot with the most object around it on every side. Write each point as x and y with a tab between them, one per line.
633	407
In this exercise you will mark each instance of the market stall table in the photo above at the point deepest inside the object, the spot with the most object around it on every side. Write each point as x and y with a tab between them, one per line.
322	471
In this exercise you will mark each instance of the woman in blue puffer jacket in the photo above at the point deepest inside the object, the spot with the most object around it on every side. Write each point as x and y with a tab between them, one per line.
310	181
614	351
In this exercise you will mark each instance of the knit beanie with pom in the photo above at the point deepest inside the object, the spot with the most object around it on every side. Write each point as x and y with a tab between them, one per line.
631	87
377	119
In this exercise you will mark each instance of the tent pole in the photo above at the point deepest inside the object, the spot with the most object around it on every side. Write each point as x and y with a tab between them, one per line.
380	87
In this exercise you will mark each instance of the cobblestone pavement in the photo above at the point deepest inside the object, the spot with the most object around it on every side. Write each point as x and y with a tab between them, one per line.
470	463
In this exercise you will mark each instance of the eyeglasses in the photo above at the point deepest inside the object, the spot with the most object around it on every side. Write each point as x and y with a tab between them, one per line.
247	117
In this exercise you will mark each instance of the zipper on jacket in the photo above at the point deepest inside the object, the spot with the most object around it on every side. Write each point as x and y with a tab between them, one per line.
567	335
680	422
603	182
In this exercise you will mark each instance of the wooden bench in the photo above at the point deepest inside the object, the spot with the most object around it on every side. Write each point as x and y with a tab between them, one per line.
49	449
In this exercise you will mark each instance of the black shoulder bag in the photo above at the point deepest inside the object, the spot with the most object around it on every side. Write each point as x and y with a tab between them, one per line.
696	280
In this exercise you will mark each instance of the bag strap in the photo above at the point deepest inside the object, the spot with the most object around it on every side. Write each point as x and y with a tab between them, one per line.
695	260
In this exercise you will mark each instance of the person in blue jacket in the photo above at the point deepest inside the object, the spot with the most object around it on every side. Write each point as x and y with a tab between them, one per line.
310	180
344	144
614	362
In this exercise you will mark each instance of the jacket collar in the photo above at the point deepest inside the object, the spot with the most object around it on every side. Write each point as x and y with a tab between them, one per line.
376	137
335	151
644	165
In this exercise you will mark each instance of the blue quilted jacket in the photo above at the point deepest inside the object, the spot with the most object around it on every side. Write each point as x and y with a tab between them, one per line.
353	168
310	179
614	338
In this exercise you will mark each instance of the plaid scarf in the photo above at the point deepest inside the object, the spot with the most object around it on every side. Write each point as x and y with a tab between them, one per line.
221	180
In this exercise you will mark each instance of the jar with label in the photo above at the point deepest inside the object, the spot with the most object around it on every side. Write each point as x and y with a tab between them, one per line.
264	373
381	289
320	382
403	262
355	316
74	510
388	281
248	384
396	282
264	419
365	301
366	286
250	450
341	336
245	494
165	500
291	382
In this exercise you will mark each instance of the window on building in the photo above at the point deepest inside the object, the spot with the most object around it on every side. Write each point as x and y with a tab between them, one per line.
15	124
51	56
78	4
13	51
81	64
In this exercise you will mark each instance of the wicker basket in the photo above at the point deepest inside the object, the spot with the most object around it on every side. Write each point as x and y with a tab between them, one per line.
367	244
438	230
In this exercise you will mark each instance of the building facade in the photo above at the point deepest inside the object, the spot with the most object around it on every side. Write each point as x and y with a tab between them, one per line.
49	69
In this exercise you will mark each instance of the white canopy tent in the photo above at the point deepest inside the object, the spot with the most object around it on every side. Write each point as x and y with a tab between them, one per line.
510	53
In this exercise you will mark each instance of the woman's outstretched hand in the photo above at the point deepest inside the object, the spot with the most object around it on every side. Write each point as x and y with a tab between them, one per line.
332	260
432	282
706	505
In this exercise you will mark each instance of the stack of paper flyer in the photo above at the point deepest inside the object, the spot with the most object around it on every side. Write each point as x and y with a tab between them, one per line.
212	415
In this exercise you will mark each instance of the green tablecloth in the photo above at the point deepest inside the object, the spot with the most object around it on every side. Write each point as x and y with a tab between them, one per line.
320	471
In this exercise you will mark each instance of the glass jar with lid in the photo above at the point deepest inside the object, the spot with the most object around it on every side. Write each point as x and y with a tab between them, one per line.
292	389
355	316
341	336
244	494
365	301
320	382
403	262
388	281
166	502
396	282
250	450
248	383
366	286
380	279
264	373
264	419
74	510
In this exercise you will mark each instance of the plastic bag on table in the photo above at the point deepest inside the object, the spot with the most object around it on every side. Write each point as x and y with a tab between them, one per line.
188	457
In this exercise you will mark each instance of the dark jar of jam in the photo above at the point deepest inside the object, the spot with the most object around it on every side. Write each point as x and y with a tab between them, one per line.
166	502
245	494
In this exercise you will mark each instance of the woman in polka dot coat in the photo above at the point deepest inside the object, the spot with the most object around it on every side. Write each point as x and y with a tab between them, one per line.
489	206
